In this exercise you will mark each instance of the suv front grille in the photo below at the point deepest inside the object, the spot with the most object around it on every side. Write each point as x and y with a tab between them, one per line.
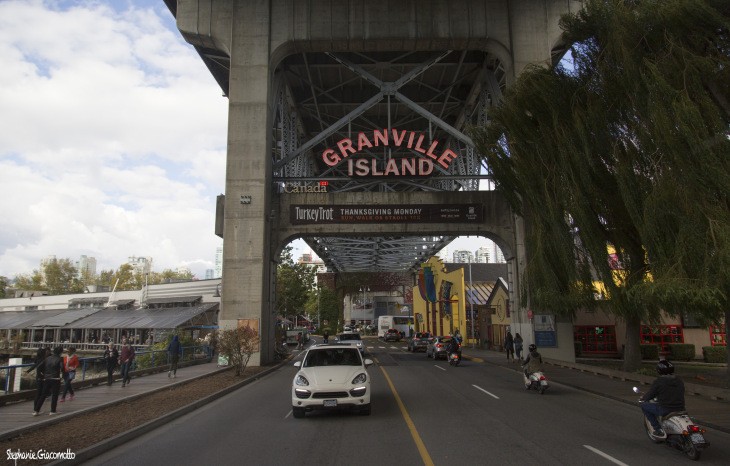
320	395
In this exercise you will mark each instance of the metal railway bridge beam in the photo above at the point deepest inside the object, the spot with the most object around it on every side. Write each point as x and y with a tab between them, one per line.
305	77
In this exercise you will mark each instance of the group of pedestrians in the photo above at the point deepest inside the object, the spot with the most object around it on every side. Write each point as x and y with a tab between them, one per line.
512	346
51	368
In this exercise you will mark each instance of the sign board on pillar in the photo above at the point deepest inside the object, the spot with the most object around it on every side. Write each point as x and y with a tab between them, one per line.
18	373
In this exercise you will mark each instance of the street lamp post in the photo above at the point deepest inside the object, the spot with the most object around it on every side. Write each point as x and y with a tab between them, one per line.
364	290
471	304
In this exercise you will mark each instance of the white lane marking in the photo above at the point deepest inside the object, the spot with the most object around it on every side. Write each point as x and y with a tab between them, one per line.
288	414
608	457
481	389
439	367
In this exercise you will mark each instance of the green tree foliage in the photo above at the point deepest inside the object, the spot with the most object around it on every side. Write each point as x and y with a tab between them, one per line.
32	281
3	286
629	149
325	302
294	284
58	276
131	279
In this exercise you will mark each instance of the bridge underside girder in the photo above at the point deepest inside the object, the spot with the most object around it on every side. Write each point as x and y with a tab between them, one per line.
325	98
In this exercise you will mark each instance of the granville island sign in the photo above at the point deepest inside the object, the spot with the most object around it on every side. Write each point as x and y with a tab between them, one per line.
362	165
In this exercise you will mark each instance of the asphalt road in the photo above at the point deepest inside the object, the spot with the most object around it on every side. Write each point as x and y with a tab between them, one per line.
423	412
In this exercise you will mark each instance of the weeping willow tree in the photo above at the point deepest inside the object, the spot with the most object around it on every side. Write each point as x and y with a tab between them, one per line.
626	149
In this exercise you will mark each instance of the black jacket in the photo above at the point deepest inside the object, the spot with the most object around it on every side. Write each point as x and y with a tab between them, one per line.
39	365
53	367
668	391
111	357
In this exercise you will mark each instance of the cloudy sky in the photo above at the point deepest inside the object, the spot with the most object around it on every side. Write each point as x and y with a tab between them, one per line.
112	137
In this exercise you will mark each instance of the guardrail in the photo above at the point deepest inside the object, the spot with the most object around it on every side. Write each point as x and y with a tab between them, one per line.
96	366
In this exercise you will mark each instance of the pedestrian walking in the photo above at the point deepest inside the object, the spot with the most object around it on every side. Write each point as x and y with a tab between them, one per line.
174	349
111	358
53	366
126	356
518	346
39	365
70	364
300	341
326	337
509	347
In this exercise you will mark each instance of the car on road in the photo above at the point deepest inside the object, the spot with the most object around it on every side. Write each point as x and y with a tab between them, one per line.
391	335
351	338
331	377
419	341
437	347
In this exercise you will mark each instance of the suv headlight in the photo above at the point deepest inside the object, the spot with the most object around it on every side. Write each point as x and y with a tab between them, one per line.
301	380
360	378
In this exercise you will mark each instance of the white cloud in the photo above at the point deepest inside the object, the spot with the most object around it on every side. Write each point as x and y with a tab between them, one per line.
113	138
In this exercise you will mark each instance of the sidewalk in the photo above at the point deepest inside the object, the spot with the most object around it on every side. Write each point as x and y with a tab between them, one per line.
708	412
18	417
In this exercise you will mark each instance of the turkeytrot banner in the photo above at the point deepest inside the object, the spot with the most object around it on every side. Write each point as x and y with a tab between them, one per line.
408	213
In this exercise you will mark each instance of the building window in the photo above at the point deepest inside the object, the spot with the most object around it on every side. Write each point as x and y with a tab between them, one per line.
596	339
717	335
661	335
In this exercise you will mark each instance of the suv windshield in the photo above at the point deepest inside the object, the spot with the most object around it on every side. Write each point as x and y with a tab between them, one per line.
333	357
349	336
422	335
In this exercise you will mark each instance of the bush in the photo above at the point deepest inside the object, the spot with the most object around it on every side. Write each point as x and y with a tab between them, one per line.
238	345
681	352
578	346
649	352
714	353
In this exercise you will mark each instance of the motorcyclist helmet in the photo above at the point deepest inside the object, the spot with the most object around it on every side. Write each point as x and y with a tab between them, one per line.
532	347
665	367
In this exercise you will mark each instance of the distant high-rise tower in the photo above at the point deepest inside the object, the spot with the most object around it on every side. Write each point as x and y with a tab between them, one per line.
483	255
462	257
141	265
218	262
86	267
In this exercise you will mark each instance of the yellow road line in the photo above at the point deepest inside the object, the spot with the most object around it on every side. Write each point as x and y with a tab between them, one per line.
411	427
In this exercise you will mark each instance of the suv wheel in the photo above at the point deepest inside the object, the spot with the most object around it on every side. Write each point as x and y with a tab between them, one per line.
297	412
365	410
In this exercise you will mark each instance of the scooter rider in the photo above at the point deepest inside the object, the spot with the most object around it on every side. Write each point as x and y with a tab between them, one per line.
532	363
669	393
453	347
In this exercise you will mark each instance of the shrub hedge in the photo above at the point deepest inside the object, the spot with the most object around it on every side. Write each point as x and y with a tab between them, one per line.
714	353
681	352
649	351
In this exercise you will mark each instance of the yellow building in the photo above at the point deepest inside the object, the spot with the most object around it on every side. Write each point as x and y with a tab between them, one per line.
447	294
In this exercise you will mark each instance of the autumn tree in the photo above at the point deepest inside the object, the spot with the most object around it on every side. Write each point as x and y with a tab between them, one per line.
238	345
627	149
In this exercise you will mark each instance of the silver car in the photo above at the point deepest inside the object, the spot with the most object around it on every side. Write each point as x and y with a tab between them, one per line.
351	338
437	347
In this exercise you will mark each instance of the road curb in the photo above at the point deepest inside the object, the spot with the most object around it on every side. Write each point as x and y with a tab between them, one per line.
120	439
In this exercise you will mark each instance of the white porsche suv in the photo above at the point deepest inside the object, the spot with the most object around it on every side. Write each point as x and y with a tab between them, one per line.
331	377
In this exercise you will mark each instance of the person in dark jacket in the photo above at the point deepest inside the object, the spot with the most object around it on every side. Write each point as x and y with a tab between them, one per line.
126	356
174	349
509	346
669	393
53	367
111	358
39	365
